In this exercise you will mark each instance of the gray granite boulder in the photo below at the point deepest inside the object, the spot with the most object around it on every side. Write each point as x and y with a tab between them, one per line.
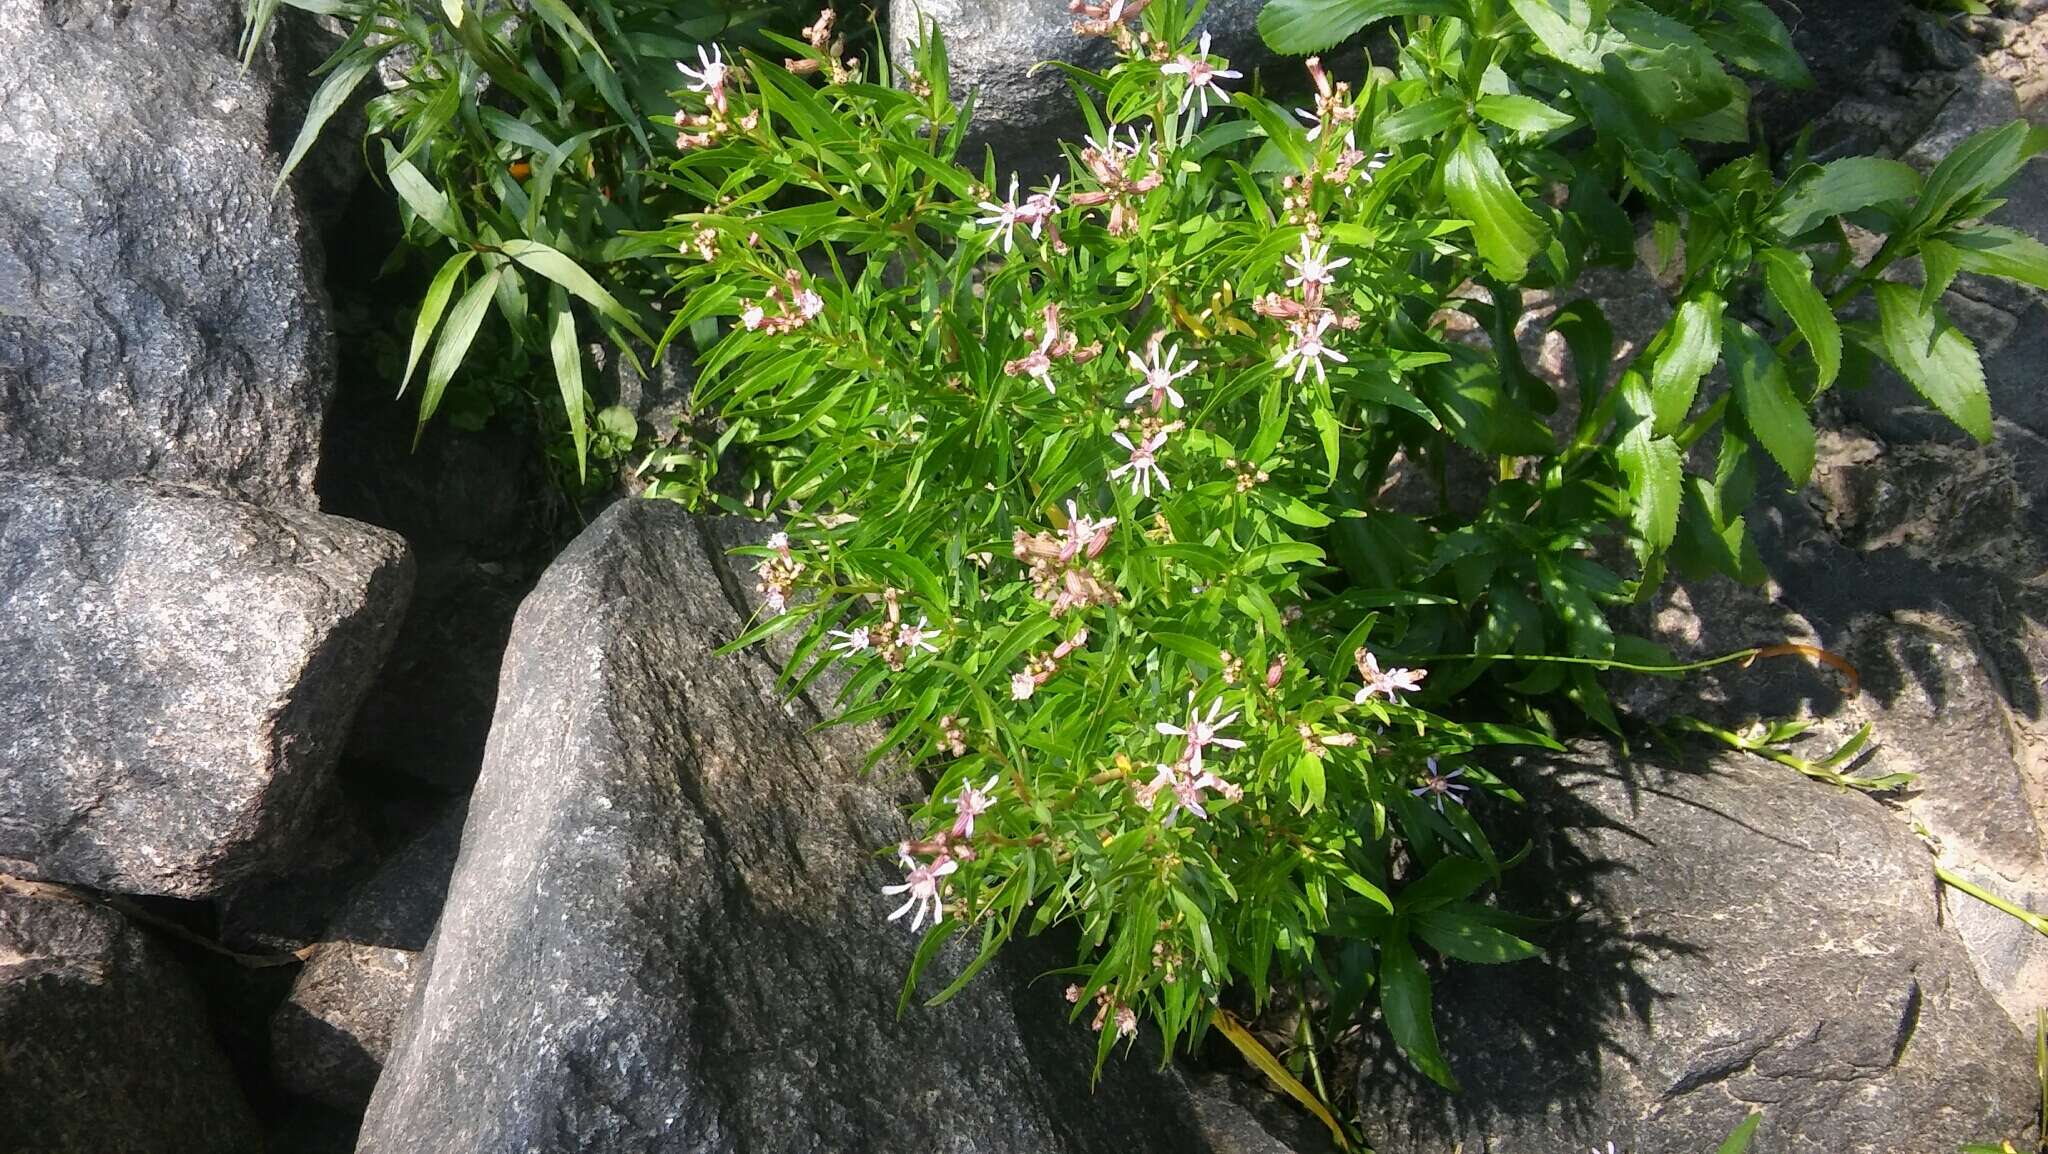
330	1038
177	672
1731	936
1837	39
160	310
992	47
665	931
106	1042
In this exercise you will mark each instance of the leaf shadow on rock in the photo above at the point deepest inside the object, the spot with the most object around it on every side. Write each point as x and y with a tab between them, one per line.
1546	1027
1835	587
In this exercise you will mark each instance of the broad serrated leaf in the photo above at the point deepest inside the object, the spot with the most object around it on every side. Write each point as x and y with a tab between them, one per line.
1508	233
1974	168
1841	187
1427	118
1994	250
1769	407
1689	354
1654	467
1298	27
1522	113
1935	358
1790	278
1572	31
1756	40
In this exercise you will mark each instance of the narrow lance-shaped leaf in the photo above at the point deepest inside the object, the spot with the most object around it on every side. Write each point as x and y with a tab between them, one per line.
333	92
1507	231
439	291
1405	1002
455	340
1935	358
1790	277
1769	407
567	352
420	195
557	267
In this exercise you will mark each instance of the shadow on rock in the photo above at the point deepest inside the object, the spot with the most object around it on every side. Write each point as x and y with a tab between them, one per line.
1725	936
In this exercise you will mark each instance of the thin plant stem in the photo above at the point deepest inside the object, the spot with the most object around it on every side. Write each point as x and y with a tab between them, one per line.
1949	878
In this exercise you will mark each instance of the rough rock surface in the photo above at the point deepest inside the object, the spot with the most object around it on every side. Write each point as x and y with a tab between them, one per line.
106	1044
992	46
1733	936
177	672
160	310
330	1039
1837	38
665	930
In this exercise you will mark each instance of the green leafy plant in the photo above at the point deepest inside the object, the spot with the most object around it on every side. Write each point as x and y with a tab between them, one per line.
518	140
1081	486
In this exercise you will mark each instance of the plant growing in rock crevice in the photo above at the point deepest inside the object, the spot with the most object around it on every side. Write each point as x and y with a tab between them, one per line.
1080	484
518	140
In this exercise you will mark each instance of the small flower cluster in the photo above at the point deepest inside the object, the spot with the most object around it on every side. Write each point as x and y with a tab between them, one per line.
1333	110
1187	776
1037	212
1387	683
1249	476
1061	575
1040	668
802	306
1110	162
890	639
777	575
713	79
923	882
1106	1009
704	241
1054	344
1110	19
1202	76
837	66
952	736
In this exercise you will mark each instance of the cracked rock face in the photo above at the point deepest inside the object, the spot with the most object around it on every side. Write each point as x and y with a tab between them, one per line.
330	1038
665	931
177	672
106	1043
1735	936
160	309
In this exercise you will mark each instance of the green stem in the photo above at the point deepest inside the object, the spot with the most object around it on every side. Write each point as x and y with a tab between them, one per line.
1599	662
2039	923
